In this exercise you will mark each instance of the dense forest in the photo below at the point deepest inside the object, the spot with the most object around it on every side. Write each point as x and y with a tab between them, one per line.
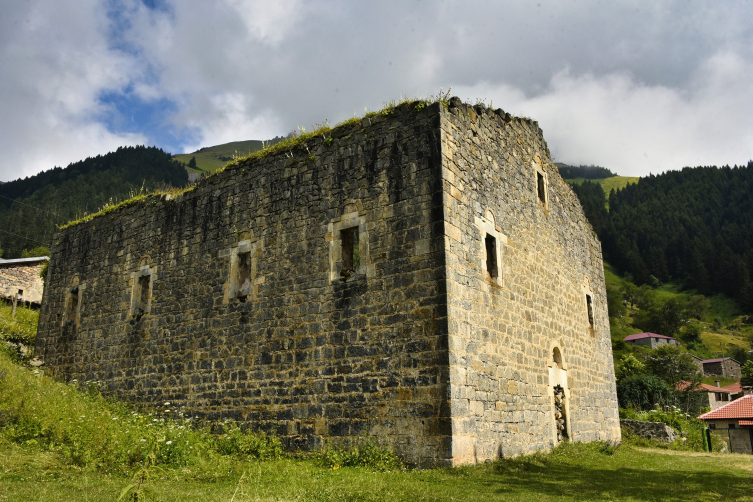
693	227
30	208
588	172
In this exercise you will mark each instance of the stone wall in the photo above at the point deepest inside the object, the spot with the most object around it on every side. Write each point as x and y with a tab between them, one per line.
423	276
304	352
650	430
18	275
514	337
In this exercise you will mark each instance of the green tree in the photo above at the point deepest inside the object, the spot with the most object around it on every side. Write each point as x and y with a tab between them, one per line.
747	373
629	367
696	306
615	304
643	392
673	365
192	162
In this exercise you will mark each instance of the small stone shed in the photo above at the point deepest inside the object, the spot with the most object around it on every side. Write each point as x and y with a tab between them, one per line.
650	340
423	276
726	367
21	277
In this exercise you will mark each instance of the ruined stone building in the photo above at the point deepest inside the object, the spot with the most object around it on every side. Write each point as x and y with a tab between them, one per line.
423	276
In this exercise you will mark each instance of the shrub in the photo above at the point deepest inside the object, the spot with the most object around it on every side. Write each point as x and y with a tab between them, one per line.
643	392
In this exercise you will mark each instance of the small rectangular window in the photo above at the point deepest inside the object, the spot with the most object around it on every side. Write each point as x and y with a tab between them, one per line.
589	304
732	426
712	426
20	293
350	252
491	256
541	188
244	274
144	293
72	305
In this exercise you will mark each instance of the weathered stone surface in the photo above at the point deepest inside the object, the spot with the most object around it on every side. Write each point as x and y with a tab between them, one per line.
22	275
414	340
650	430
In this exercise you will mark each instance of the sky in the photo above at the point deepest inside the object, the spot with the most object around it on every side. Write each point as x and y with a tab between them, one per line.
637	87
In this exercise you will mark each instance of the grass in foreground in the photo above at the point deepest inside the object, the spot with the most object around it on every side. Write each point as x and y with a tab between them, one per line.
572	472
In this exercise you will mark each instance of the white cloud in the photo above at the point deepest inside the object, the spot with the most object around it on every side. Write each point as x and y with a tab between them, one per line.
230	120
633	128
56	65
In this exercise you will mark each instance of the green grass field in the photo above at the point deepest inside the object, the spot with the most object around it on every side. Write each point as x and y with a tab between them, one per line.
209	159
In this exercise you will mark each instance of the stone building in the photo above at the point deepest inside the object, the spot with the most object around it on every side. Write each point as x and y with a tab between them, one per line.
20	277
650	340
722	366
423	276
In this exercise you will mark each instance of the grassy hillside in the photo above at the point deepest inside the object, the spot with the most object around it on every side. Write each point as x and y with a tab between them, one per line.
608	184
211	158
720	325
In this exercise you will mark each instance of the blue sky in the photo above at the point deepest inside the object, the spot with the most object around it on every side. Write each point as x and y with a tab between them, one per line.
635	86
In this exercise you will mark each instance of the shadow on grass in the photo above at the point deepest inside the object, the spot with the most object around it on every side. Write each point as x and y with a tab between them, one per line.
625	475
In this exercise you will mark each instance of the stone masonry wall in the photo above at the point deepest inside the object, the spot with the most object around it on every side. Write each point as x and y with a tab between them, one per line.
503	330
466	303
24	276
303	352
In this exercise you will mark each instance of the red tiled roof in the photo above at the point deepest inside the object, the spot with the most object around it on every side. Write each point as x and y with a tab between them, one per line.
745	422
640	336
734	388
739	408
709	388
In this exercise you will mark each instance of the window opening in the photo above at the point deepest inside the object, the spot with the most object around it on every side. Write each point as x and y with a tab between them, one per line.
731	426
491	256
20	293
350	252
72	305
589	304
143	293
541	189
244	274
559	412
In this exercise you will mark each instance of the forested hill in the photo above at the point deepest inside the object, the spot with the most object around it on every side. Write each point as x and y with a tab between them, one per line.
30	208
693	227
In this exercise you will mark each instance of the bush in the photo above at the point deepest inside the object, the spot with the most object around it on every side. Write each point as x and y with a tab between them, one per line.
643	392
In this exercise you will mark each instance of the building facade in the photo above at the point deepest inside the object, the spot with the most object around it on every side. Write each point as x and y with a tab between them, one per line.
423	276
20	278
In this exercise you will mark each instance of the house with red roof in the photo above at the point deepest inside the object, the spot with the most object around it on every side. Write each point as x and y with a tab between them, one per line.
713	397
733	422
650	340
737	390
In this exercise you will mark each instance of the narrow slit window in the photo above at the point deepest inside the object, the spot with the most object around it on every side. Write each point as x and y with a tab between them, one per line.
20	293
72	305
589	305
244	274
491	256
350	252
541	188
144	293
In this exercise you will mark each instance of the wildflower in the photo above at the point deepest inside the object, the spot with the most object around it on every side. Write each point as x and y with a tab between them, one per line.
167	403
169	442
